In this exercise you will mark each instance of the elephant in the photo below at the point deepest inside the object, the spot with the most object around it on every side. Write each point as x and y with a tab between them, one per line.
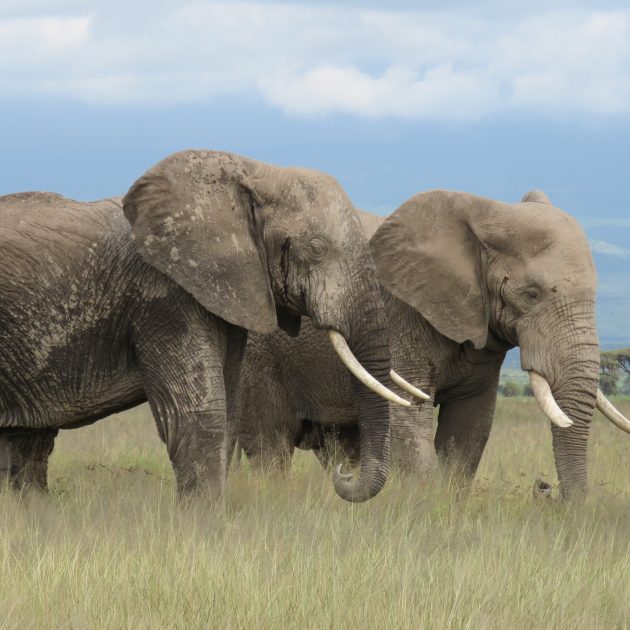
108	304
463	279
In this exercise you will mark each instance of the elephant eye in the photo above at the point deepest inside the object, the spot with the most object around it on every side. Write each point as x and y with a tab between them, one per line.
533	294
317	247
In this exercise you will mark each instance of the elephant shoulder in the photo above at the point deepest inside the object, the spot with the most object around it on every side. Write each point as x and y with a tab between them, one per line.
49	240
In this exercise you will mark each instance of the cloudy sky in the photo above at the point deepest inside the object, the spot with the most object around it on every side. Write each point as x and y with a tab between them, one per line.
391	97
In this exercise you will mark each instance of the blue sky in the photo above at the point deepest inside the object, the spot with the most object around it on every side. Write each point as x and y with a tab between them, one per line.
390	97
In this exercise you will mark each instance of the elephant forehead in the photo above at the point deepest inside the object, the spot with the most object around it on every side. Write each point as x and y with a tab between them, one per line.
556	223
311	187
332	220
202	163
317	202
559	267
573	267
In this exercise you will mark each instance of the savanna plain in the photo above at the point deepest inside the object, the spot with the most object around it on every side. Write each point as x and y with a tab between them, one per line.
110	547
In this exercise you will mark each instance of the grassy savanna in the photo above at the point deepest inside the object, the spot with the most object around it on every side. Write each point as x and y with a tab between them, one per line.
109	547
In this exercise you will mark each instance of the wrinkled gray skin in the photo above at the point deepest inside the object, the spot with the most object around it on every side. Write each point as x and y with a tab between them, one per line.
96	317
463	279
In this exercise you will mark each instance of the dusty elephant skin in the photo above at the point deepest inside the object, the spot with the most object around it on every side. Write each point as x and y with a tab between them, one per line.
96	317
464	279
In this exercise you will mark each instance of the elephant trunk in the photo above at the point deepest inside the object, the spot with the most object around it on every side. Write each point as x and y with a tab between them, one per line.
564	350
369	342
576	397
572	374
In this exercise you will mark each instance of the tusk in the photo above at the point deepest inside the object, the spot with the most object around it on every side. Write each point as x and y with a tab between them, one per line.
546	401
408	387
351	362
611	412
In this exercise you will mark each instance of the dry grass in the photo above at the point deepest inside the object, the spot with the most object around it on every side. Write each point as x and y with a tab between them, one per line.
110	548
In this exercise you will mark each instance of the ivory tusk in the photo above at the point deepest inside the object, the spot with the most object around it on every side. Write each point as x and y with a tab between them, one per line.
408	387
350	361
546	401
611	412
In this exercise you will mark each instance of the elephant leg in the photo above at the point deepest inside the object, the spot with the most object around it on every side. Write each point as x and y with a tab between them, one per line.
338	444
29	458
5	459
182	368
312	437
194	431
237	341
325	456
268	424
413	450
463	428
322	441
270	452
349	444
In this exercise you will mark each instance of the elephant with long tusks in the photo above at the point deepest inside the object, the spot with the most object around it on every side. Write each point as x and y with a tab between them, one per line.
105	305
464	279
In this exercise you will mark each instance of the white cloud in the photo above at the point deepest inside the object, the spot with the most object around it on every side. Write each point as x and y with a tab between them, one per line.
40	40
316	59
608	249
442	92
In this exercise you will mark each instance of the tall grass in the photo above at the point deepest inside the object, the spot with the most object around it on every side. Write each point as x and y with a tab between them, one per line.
109	547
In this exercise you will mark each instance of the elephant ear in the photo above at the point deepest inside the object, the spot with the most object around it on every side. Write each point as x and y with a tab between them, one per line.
536	196
369	222
194	219
428	255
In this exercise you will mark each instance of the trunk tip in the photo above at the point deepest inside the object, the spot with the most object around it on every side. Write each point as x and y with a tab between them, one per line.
356	490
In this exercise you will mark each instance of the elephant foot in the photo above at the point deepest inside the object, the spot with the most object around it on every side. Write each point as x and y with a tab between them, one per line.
194	489
30	477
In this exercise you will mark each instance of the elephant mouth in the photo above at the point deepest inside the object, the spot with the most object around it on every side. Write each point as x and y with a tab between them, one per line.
288	321
549	406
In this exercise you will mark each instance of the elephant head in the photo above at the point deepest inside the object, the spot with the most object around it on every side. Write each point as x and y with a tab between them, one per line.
487	272
260	246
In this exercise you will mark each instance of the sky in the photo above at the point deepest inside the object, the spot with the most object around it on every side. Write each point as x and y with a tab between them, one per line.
390	97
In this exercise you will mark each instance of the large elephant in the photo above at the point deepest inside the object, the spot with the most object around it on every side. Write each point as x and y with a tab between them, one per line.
96	317
464	279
